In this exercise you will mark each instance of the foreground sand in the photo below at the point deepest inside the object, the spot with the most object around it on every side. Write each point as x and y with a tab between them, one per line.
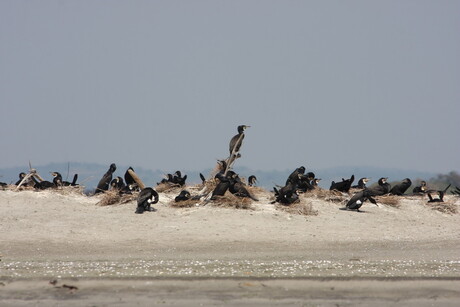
219	256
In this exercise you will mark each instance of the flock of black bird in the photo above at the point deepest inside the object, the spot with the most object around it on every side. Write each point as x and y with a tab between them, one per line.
227	180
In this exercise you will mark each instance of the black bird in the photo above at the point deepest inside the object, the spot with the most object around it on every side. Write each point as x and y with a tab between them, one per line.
168	179
131	184
57	180
223	184
344	185
361	183
146	198
237	140
315	182
3	185
288	194
104	183
440	195
401	188
456	191
203	179
179	179
117	183
21	177
294	176
421	189
367	194
183	195
252	180
42	185
305	182
176	179
238	188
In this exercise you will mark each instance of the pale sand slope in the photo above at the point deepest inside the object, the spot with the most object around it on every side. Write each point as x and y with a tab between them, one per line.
47	235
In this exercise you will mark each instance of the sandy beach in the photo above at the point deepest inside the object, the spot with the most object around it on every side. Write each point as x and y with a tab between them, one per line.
404	255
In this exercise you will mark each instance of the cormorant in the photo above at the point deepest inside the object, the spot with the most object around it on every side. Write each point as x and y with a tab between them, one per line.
146	198
401	188
104	183
179	179
176	178
203	179
294	176
288	194
237	187
168	179
361	183
42	185
456	191
421	189
367	194
183	195
57	180
117	183
252	180
440	194
21	177
315	182
305	182
344	185
237	140
223	185
131	184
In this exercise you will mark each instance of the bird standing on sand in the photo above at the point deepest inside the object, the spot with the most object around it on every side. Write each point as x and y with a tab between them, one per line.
401	188
421	189
367	194
104	183
146	198
57	180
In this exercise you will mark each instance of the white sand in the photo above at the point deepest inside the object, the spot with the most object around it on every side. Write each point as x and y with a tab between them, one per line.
46	235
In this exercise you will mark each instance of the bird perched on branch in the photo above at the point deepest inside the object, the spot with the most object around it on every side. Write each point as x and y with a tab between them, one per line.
237	141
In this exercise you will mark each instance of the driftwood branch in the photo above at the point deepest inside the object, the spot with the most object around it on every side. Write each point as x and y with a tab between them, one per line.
136	179
32	173
231	160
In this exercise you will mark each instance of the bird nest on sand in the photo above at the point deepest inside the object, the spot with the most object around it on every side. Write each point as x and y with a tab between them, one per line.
302	207
184	203
328	195
444	207
12	187
389	200
231	201
68	190
113	197
168	187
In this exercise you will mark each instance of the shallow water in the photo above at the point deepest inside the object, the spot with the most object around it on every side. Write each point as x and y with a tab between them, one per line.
354	268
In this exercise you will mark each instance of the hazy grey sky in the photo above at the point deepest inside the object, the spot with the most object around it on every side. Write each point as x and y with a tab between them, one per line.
164	84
